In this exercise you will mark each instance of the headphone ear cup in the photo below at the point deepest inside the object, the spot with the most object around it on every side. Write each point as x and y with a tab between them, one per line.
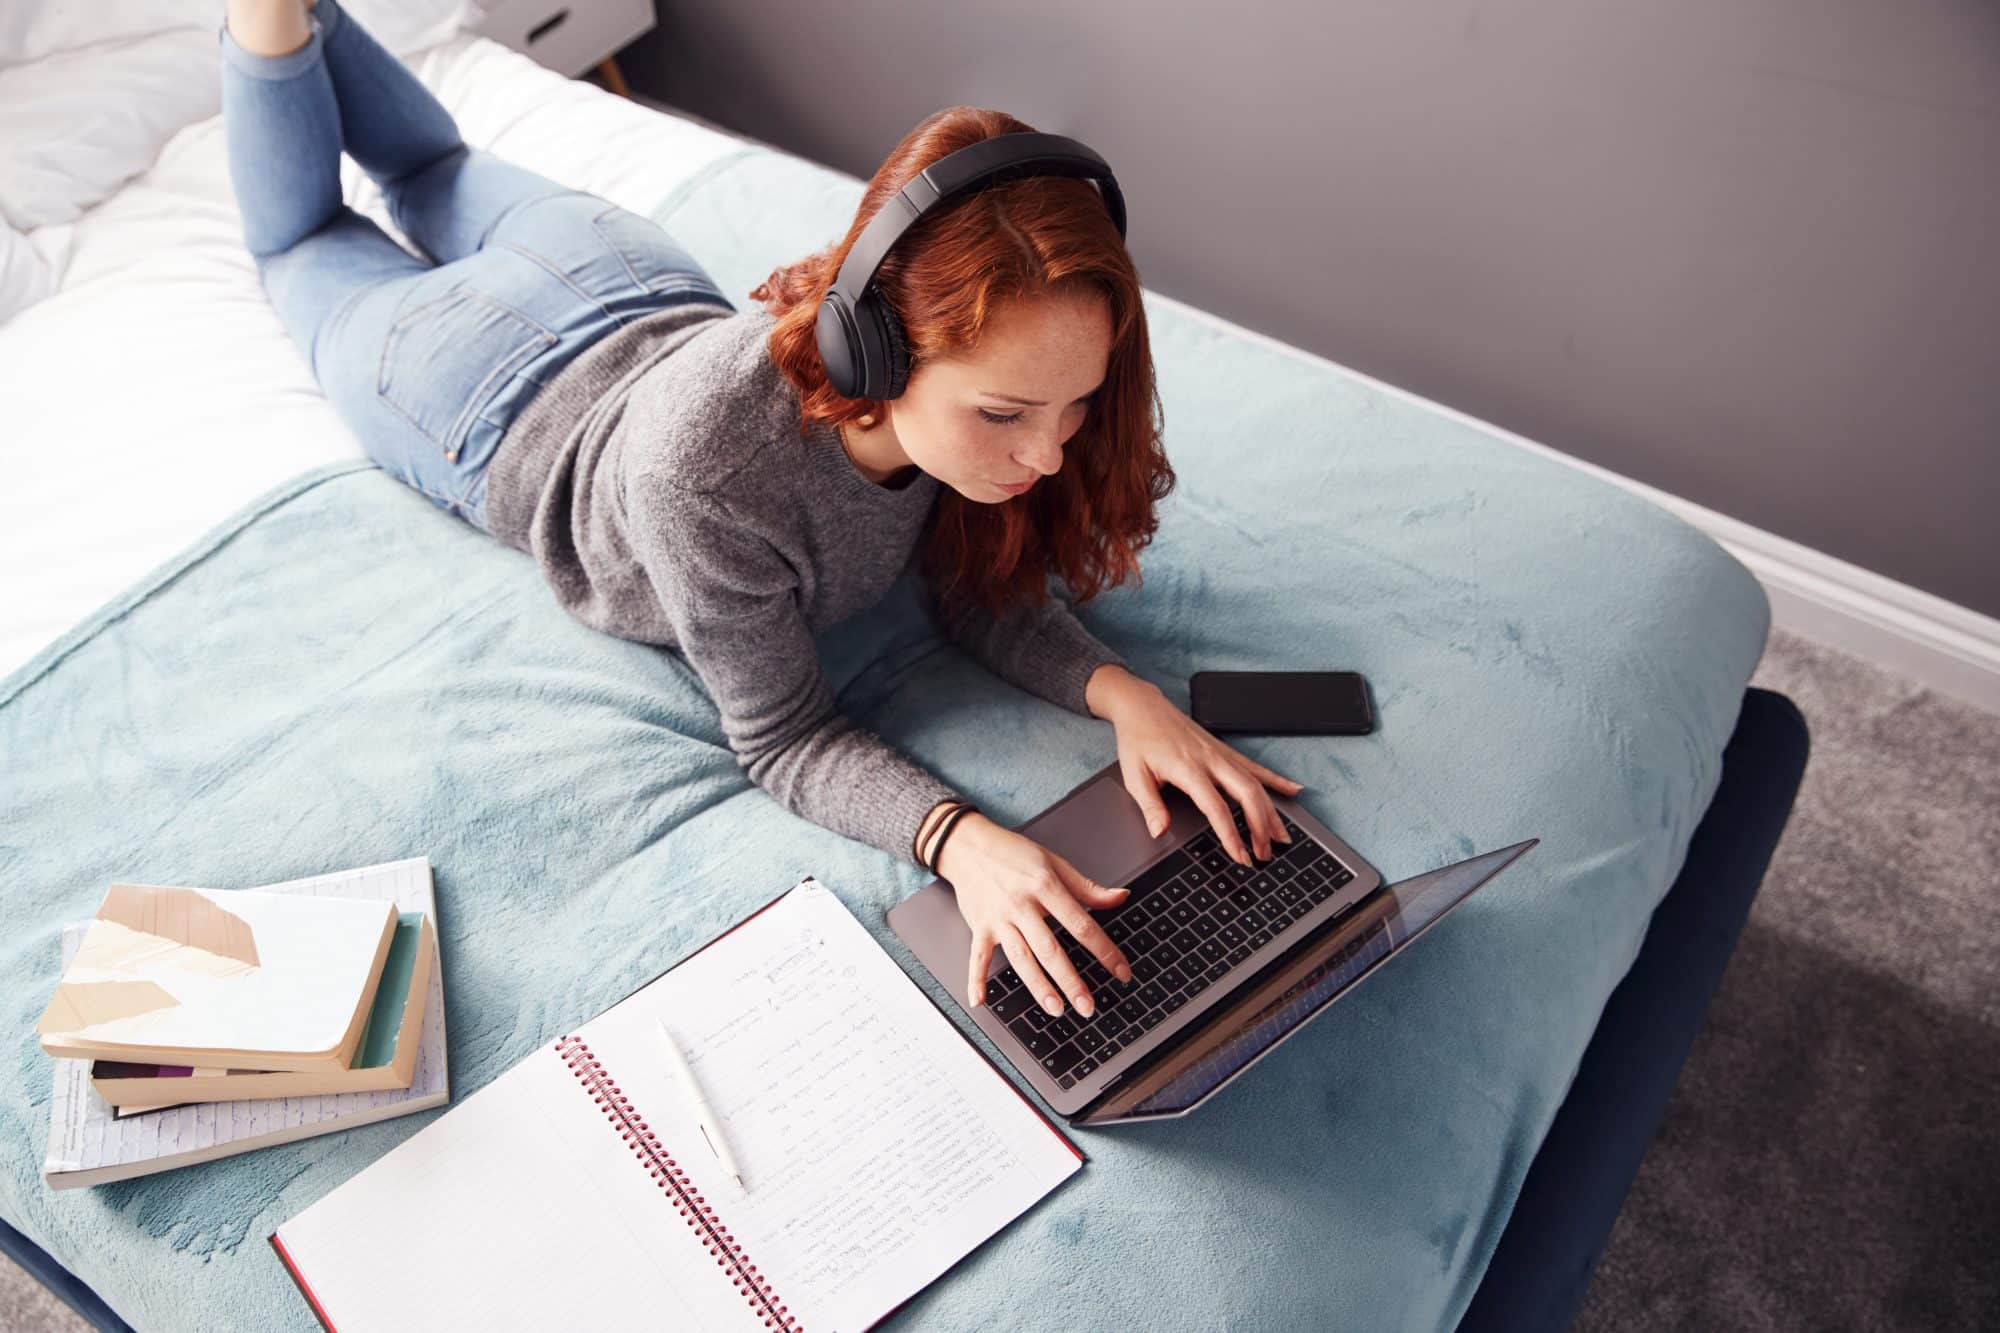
899	353
833	329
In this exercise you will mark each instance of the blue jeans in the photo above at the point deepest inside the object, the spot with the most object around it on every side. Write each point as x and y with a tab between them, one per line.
426	359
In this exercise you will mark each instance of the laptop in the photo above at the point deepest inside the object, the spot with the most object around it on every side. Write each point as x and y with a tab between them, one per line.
1227	960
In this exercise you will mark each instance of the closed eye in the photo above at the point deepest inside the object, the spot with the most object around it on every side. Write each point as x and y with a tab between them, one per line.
998	420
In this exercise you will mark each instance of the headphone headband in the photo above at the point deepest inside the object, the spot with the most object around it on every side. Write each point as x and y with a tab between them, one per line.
1003	157
860	340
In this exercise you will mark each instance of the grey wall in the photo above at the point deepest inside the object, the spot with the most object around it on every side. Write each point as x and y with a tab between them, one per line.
1746	252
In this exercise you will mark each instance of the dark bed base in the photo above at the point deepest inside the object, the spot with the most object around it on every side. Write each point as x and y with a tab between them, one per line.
1579	1177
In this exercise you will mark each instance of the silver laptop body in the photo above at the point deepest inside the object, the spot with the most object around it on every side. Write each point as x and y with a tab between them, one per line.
1211	1037
1345	927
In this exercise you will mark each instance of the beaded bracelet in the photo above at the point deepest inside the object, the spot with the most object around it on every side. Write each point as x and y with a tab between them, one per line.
944	831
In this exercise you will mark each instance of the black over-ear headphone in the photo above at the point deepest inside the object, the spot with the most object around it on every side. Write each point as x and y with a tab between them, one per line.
860	339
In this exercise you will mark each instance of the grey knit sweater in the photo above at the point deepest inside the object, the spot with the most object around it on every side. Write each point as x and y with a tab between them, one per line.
661	483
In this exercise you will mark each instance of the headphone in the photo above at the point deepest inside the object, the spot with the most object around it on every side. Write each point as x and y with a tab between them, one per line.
861	341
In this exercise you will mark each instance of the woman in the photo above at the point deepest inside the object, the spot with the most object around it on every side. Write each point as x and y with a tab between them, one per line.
561	374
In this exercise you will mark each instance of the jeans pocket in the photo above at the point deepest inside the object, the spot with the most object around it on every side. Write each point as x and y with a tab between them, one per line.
653	260
445	359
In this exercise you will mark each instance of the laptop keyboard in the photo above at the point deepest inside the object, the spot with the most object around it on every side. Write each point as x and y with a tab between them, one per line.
1189	920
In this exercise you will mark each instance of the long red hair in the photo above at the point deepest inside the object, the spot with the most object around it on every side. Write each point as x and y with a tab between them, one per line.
1019	239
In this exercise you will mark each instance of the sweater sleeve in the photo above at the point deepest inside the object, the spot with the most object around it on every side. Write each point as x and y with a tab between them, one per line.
1044	650
732	599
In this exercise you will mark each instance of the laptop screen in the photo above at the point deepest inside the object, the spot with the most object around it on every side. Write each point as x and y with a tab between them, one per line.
1377	927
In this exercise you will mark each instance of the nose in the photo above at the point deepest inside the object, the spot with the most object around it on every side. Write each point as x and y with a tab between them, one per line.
1045	457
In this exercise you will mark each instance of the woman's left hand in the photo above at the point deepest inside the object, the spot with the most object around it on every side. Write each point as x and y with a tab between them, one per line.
1157	742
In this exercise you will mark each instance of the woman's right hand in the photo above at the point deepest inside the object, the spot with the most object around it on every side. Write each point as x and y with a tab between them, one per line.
1007	884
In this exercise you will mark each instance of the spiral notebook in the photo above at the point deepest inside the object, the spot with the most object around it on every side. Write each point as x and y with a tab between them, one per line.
878	1147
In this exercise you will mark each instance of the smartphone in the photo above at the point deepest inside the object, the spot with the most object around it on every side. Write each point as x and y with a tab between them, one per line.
1282	703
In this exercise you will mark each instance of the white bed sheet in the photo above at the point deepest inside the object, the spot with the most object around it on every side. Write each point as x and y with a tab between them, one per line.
155	392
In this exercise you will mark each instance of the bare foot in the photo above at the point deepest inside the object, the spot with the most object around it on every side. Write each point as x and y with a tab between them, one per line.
269	27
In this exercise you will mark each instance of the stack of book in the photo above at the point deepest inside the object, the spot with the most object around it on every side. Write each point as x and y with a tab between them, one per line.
190	1024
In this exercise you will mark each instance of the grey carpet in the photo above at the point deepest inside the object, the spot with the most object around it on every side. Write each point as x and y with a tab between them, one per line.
1829	1159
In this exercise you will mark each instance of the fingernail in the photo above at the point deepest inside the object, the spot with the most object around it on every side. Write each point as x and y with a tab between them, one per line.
1084	1006
1124	973
1154	828
1052	1004
1121	890
1282	835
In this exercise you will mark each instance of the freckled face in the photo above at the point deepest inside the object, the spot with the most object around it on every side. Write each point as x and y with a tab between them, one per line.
961	419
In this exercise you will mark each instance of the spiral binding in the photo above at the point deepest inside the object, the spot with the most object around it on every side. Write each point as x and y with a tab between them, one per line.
659	1163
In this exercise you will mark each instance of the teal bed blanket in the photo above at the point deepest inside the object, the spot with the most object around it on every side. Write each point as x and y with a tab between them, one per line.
342	674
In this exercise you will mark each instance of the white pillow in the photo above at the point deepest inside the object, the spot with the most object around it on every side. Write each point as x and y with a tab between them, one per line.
77	124
91	90
32	29
30	267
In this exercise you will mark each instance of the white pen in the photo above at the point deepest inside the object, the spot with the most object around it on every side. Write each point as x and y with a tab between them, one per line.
711	1126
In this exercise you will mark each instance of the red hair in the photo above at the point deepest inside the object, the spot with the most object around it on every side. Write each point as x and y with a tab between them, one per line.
1021	239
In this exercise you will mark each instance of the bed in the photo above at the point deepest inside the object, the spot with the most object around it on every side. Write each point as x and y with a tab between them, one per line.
224	664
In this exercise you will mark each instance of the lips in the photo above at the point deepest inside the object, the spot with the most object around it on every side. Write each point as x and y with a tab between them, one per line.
1018	488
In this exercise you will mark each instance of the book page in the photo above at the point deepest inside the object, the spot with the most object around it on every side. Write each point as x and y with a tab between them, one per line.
877	1145
520	1208
85	1136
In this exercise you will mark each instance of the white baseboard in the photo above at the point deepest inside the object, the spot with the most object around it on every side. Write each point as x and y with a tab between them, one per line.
1937	643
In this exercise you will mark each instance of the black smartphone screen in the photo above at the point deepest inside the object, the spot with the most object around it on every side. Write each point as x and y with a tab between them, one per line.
1282	703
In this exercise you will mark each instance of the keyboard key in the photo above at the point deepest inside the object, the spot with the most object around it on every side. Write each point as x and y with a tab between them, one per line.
1090	1040
1224	910
1037	1044
1216	969
1211	950
1062	1059
1066	1081
1187	939
1142	941
1258	939
1237	955
1084	1068
1111	1047
1009	1007
1144	968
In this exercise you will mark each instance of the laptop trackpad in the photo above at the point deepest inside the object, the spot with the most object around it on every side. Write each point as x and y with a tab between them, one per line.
1099	830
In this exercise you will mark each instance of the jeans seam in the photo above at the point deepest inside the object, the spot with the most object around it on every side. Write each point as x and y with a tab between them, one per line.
508	366
486	237
554	271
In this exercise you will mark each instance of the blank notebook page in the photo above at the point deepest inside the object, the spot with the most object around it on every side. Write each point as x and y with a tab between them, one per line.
877	1148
